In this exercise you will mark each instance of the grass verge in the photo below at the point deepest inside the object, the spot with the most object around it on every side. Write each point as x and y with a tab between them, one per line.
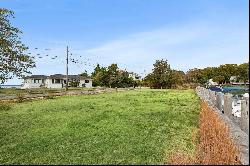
215	146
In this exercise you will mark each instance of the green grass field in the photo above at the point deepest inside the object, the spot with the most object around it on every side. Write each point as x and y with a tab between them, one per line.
132	127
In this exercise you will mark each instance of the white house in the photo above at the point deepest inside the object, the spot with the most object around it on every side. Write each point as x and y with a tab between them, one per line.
55	81
234	81
212	83
134	76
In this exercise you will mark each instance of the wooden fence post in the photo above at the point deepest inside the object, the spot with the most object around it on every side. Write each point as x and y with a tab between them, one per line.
228	104
245	114
213	98
219	101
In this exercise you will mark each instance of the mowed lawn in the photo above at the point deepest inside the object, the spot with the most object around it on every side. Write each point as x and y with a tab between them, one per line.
132	127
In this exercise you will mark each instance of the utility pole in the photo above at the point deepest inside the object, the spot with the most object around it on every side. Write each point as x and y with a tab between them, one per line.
67	67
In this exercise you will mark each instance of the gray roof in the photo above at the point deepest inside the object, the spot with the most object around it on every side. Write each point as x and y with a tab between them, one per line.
58	76
36	76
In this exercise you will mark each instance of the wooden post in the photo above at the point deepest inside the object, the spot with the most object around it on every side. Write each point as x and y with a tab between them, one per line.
213	98
67	68
245	114
228	104
219	98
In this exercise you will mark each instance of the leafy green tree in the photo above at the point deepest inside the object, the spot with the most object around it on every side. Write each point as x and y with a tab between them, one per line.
219	79
161	77
84	74
178	77
207	73
13	59
228	70
193	76
99	76
96	70
113	75
243	72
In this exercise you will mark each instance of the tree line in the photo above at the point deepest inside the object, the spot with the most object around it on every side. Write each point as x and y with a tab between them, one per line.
162	76
221	74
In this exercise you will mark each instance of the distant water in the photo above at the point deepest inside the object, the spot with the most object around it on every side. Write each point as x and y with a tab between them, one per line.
10	86
228	88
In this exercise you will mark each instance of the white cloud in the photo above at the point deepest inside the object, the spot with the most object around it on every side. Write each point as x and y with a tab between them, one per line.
187	46
193	45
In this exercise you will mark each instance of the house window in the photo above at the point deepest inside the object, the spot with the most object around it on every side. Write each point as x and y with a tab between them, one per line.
86	81
57	81
36	81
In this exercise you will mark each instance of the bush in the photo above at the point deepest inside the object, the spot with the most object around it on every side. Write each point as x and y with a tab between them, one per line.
74	83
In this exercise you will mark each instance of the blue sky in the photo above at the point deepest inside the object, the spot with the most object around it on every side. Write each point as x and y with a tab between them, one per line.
132	33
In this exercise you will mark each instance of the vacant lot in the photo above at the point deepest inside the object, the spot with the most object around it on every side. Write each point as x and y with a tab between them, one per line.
132	127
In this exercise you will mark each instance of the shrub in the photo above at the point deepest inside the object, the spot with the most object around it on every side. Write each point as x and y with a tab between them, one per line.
74	83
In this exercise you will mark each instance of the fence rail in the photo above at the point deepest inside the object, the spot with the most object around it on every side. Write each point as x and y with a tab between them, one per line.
236	116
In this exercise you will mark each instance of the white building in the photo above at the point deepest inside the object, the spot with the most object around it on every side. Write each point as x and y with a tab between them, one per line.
212	83
234	81
54	81
134	76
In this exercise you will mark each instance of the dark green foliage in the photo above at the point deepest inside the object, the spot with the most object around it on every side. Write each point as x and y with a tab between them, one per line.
84	74
13	59
227	71
219	74
111	76
178	78
161	76
74	83
243	72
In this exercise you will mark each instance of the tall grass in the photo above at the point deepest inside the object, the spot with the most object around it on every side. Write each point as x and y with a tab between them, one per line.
215	147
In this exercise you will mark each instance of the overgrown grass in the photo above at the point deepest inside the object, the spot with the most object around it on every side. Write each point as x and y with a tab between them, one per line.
132	127
215	145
